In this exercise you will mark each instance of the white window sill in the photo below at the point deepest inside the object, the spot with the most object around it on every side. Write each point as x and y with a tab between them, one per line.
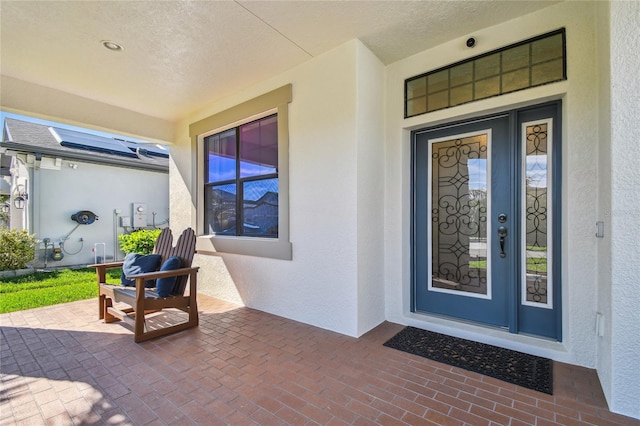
273	248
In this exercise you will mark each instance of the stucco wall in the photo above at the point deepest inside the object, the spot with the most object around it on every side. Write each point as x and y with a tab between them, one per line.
624	392
329	155
370	189
603	363
57	194
580	142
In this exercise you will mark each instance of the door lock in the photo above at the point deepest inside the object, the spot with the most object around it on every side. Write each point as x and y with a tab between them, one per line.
502	217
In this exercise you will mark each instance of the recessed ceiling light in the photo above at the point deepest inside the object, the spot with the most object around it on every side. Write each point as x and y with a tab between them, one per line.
112	45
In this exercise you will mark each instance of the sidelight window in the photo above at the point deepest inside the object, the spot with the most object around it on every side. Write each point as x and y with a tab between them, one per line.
537	214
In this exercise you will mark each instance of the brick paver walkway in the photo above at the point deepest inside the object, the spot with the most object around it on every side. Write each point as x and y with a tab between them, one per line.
60	365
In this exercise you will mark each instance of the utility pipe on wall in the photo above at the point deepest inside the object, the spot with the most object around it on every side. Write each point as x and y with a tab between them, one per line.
116	214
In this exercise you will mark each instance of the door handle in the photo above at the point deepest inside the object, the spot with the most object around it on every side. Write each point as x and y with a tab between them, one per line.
502	235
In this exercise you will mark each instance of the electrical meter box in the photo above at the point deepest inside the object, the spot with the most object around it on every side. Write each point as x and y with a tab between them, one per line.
139	215
125	221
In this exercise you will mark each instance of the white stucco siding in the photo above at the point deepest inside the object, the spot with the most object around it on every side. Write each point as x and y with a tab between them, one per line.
317	286
603	361
57	194
370	194
580	182
623	391
580	143
320	285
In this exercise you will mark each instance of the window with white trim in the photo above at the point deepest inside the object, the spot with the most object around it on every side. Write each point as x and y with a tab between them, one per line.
242	175
241	180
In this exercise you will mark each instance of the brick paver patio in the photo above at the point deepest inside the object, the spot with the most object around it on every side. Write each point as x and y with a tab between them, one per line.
60	365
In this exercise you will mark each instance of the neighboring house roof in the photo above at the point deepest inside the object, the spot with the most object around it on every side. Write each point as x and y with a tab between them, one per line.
26	137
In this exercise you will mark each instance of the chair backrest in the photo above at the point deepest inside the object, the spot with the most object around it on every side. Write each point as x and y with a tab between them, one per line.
164	244
185	249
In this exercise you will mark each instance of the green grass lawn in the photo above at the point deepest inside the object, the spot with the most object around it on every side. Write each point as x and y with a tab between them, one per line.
534	264
50	288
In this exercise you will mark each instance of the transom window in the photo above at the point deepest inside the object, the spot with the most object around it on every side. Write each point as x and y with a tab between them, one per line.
530	63
241	187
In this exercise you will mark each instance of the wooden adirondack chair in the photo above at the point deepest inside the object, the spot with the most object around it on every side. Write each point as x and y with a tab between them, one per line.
139	302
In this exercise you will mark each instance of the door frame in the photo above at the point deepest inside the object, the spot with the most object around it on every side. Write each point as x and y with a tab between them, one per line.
517	311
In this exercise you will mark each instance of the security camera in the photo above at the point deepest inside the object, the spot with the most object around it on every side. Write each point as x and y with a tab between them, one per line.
471	42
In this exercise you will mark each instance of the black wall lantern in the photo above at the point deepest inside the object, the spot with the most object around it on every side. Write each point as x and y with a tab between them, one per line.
20	200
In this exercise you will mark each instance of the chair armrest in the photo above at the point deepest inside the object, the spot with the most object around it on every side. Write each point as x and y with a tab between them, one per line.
142	278
106	265
101	270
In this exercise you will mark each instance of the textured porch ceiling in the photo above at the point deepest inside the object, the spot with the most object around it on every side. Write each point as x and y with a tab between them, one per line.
180	55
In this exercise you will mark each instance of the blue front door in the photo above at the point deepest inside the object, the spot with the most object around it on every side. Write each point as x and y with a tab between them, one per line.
485	221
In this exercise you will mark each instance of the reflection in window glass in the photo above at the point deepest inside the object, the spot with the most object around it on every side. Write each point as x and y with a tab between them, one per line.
221	158
259	147
221	209
260	207
241	192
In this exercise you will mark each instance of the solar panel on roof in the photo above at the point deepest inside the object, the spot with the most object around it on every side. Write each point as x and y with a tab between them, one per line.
148	149
73	139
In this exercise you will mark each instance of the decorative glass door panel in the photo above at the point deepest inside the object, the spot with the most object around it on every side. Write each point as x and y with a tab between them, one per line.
537	248
485	228
457	190
458	207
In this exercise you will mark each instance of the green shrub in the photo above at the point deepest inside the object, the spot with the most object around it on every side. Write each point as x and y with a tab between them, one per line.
4	215
17	248
141	241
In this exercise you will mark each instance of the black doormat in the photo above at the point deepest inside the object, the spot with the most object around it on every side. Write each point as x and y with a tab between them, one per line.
521	369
